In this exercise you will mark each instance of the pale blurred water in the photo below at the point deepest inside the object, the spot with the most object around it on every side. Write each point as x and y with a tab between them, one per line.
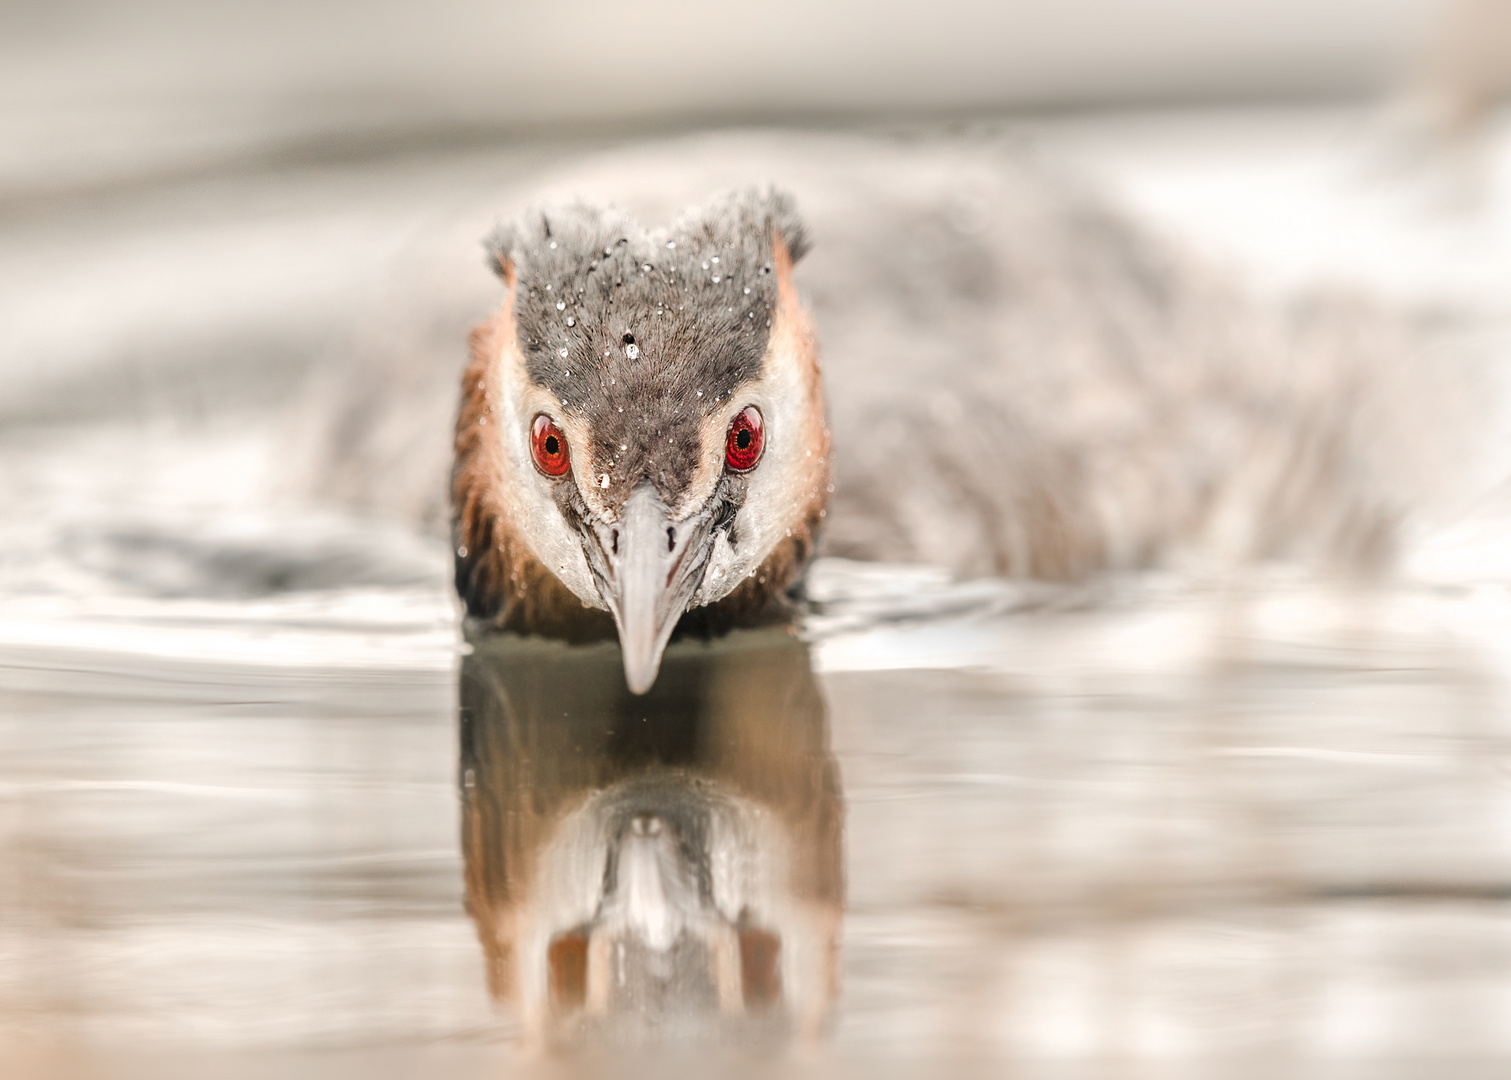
1159	820
1147	824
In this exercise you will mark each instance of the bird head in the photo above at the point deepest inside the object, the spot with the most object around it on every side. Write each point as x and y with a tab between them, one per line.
643	422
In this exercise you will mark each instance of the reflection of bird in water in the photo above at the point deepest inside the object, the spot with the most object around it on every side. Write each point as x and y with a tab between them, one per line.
664	865
1019	382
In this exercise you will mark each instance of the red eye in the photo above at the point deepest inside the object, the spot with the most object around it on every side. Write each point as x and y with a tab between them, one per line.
742	447
549	446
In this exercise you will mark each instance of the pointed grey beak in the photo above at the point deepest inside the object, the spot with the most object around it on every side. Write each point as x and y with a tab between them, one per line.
654	567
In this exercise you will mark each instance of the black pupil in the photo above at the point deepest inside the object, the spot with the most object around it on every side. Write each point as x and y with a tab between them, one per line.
552	446
742	438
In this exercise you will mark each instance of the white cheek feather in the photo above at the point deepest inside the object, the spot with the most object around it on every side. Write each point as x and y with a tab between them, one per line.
785	483
528	501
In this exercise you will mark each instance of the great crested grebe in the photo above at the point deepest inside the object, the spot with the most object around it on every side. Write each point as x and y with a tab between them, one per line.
1020	382
642	430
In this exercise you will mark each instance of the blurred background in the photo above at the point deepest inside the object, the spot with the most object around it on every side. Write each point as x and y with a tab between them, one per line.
106	95
1199	818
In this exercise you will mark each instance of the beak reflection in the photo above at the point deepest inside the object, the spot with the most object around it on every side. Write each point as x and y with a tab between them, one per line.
661	865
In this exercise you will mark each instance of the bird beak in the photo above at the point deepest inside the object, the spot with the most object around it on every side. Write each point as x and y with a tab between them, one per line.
654	567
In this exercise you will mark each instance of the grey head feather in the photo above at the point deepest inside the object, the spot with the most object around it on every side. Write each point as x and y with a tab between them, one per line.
642	332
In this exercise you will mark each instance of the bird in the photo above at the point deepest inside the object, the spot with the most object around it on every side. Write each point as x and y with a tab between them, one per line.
1019	378
642	429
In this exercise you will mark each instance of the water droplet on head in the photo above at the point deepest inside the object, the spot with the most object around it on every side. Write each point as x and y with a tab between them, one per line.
714	259
671	243
553	245
716	279
603	480
571	321
561	305
462	551
632	351
705	265
646	268
564	352
548	288
747	290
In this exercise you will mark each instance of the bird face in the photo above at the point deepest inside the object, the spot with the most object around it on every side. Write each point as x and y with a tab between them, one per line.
657	424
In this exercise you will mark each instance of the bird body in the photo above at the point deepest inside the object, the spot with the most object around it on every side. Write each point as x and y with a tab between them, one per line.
1021	380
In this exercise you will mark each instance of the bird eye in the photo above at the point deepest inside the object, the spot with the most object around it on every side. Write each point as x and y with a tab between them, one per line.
742	446
549	446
